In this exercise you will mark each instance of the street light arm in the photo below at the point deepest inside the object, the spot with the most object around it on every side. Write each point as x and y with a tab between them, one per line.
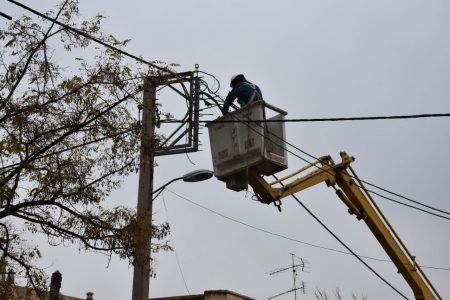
194	176
160	189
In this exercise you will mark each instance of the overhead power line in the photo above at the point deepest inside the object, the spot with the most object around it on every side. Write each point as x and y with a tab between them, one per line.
412	206
284	236
5	16
88	36
347	247
304	120
366	182
173	248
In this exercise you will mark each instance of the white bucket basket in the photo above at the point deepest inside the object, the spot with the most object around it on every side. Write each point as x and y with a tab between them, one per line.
241	140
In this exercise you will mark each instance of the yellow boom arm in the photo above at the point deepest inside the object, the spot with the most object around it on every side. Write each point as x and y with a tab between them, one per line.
359	203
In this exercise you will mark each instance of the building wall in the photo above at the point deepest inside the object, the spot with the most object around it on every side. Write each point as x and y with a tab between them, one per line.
210	295
24	293
225	295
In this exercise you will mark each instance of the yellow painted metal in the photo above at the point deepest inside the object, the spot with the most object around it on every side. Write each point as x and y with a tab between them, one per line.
295	173
360	203
416	270
261	187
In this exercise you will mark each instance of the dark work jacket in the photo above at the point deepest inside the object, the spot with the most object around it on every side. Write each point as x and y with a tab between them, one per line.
245	91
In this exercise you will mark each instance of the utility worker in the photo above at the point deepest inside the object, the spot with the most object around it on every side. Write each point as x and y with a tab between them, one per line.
245	91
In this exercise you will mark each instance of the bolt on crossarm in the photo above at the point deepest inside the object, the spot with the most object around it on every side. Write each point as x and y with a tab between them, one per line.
359	203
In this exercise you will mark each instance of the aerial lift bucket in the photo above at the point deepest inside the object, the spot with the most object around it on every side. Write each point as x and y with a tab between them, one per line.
248	139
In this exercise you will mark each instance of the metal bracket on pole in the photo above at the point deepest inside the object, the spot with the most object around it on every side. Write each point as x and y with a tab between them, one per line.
185	138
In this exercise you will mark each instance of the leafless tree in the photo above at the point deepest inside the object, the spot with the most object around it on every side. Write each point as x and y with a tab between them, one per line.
322	295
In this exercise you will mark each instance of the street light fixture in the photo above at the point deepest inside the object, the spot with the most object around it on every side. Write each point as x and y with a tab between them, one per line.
194	176
198	175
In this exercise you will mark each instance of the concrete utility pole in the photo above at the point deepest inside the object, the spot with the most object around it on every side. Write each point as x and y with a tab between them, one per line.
141	275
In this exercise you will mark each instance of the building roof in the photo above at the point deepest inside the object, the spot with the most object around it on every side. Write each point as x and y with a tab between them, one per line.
209	295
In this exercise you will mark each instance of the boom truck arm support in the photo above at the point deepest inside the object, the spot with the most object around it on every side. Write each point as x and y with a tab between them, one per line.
359	203
244	150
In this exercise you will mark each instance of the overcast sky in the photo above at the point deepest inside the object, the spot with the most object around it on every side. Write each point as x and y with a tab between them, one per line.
313	59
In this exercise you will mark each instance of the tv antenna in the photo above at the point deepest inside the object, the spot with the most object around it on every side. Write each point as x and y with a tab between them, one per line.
300	264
